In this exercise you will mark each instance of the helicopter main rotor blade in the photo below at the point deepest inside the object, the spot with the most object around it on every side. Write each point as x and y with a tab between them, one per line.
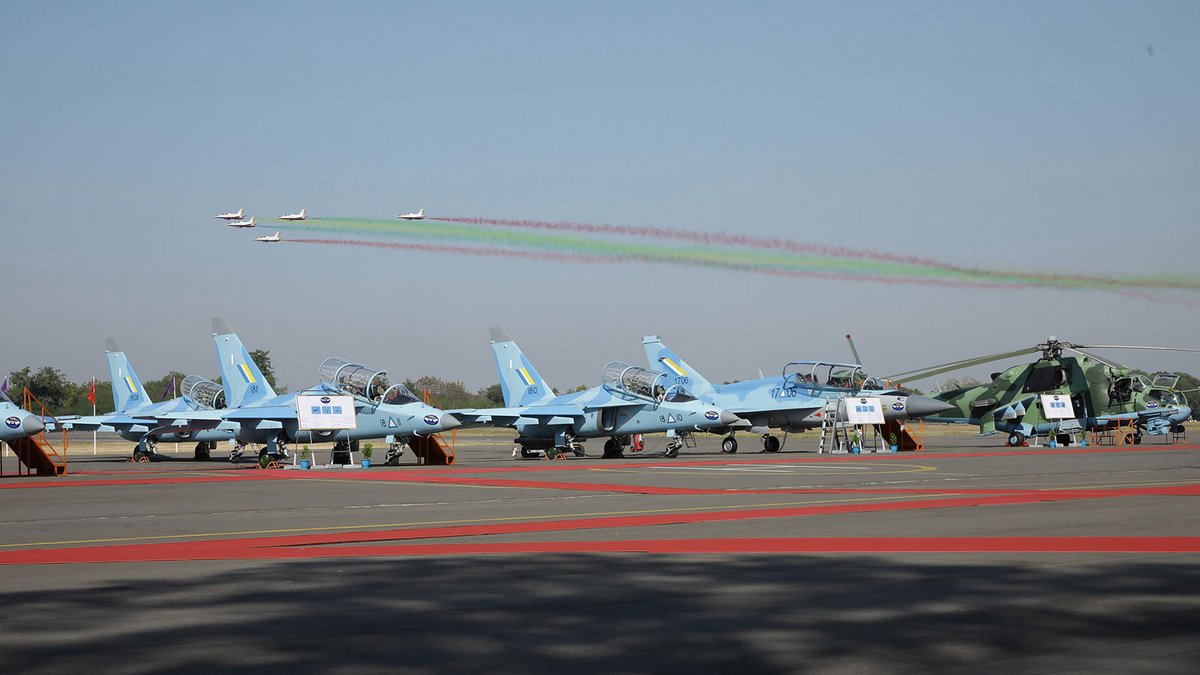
957	365
1159	349
1110	364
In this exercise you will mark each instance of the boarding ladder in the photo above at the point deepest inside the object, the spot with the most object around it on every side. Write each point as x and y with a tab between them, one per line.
829	425
35	452
433	449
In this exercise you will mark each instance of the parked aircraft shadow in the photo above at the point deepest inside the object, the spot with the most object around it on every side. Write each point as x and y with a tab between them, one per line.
590	613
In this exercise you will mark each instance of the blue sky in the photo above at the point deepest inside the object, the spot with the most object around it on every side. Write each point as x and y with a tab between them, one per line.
1043	136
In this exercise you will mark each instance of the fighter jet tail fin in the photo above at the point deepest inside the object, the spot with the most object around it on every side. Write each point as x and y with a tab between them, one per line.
519	381
127	389
240	375
678	371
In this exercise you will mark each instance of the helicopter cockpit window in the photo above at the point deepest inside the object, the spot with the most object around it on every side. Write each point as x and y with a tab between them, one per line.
1045	379
1121	391
1163	396
399	395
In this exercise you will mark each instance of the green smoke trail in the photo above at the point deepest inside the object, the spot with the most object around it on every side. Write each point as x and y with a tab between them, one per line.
740	258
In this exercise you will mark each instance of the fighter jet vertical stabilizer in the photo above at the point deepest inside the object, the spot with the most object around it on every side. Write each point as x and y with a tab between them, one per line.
658	354
519	380
244	382
127	390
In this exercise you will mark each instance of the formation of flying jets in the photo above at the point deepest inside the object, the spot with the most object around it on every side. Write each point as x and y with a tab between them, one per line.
238	219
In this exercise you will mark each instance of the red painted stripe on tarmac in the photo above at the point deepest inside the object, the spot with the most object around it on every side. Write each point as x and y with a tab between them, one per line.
275	547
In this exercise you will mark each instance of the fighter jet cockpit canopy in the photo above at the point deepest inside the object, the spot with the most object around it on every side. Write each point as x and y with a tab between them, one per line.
818	374
354	378
399	394
623	377
204	393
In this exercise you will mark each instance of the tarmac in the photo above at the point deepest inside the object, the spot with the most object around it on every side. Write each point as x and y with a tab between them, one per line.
967	557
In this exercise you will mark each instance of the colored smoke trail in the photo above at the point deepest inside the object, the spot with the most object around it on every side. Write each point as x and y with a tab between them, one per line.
492	251
724	257
782	243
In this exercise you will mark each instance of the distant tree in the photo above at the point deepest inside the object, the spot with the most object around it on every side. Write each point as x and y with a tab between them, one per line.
493	393
448	393
262	357
48	384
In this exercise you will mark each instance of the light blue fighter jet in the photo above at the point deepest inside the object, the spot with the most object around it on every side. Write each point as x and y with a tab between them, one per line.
794	401
136	417
631	400
381	410
18	422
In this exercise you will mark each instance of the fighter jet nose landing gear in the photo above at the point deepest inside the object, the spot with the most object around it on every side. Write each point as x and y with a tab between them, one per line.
729	445
393	454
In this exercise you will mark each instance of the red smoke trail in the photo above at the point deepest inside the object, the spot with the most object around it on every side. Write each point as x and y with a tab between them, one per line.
777	243
493	251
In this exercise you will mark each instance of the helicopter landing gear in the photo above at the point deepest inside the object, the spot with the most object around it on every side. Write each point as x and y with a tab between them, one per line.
729	445
1016	439
770	443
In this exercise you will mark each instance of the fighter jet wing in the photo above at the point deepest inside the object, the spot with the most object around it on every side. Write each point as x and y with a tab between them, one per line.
269	412
547	414
190	419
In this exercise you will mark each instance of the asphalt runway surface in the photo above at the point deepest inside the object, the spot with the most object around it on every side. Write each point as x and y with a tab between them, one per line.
966	557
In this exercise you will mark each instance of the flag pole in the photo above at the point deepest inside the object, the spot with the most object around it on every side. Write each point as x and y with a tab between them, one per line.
175	392
93	413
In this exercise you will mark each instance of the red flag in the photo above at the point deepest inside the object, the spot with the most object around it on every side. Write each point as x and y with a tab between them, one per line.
92	393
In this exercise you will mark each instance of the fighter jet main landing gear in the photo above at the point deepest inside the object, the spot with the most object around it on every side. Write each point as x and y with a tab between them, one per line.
770	443
204	450
613	449
673	447
236	453
146	450
393	454
729	445
1016	439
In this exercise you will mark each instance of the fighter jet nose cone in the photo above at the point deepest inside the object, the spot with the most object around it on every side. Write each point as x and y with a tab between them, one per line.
32	425
728	418
449	422
920	406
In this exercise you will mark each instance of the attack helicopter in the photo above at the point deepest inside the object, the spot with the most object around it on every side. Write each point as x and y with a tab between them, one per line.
1058	393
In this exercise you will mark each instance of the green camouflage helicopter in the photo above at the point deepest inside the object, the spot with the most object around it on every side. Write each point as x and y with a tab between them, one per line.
1058	394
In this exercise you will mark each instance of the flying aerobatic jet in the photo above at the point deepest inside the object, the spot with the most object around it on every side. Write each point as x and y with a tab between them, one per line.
269	238
794	401
230	216
419	215
242	223
380	410
630	401
295	216
136	417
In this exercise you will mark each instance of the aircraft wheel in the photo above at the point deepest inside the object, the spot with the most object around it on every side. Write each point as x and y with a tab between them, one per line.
1137	437
1016	439
528	454
729	445
577	449
1127	438
264	459
612	449
1177	429
770	443
203	454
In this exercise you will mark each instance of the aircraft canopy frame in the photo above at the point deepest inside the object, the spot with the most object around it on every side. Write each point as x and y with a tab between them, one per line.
633	380
203	392
354	378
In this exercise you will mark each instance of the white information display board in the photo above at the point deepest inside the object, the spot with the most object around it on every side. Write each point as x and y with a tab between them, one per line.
864	410
1057	407
326	412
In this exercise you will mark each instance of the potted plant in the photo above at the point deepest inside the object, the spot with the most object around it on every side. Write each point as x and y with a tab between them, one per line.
894	441
854	442
305	457
367	450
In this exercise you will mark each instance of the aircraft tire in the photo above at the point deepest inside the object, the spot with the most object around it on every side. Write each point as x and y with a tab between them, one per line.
202	454
1016	439
729	445
770	443
612	449
1177	429
1137	436
528	454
